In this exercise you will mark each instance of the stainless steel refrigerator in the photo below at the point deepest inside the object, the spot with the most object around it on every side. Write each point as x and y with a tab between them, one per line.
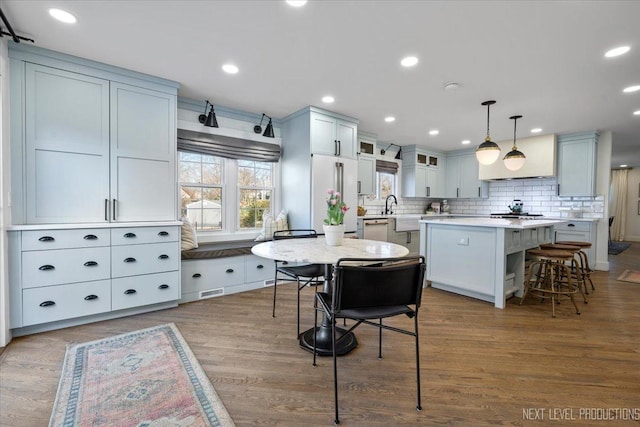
338	173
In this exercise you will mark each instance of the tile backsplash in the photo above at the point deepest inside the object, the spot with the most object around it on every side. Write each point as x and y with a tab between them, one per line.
538	195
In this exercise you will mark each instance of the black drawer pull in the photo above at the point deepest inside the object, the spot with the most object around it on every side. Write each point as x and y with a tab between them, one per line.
129	260
46	239
229	270
163	233
130	235
163	287
47	303
46	267
260	266
571	225
195	276
285	263
90	264
130	292
163	256
90	297
90	237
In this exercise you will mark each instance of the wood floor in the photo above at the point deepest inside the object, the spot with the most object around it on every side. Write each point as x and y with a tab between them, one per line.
480	365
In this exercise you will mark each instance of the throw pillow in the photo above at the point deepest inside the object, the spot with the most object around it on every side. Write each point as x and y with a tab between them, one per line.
189	239
271	224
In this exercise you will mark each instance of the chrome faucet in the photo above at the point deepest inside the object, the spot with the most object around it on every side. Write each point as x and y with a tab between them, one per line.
387	209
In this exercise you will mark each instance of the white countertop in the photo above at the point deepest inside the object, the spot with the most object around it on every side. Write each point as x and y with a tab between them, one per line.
495	222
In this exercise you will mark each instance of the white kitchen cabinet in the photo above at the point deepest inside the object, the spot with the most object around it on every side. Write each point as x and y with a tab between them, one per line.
462	177
94	149
333	136
366	174
423	173
578	231
577	154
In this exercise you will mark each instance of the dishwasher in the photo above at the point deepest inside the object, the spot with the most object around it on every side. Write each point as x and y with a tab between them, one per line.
375	229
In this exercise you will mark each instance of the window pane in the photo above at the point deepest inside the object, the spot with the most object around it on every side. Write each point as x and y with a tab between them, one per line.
190	172
212	173
253	203
203	207
386	184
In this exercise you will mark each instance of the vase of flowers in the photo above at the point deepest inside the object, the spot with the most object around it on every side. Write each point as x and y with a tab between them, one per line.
333	224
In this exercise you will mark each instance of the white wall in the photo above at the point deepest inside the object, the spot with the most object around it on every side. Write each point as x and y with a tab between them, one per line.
603	178
5	185
632	226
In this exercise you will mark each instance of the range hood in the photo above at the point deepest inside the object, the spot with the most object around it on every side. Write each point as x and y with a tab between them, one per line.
540	152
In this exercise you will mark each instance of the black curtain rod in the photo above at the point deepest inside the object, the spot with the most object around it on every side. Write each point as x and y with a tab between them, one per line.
16	38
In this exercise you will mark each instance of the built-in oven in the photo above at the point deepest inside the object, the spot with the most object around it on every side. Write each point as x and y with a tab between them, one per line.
375	229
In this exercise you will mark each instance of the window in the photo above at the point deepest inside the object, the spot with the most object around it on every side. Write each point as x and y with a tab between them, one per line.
386	184
255	188
224	195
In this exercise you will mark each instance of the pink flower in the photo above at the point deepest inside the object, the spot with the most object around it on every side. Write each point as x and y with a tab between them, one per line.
331	191
345	209
337	194
333	202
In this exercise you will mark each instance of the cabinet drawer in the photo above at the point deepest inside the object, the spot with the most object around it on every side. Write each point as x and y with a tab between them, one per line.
135	291
51	303
212	273
43	268
258	269
573	226
132	260
38	240
140	235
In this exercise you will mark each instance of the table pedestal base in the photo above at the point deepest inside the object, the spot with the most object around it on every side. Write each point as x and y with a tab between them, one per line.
323	341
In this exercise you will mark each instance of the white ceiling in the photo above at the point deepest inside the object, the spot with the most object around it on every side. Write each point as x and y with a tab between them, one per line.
541	59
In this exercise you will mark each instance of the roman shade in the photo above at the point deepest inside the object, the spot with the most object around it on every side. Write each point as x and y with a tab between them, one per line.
226	146
386	167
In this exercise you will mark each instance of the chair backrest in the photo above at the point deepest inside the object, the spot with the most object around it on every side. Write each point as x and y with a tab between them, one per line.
362	283
611	220
295	234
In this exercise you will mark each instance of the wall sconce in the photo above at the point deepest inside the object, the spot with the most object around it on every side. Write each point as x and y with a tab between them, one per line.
384	150
268	132
399	154
208	120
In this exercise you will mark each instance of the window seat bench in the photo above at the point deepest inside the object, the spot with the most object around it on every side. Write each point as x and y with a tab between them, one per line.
222	268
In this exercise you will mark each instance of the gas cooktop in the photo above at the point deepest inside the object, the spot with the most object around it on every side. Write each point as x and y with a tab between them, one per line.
522	215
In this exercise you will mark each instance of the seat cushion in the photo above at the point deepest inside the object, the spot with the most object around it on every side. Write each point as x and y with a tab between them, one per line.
308	270
367	312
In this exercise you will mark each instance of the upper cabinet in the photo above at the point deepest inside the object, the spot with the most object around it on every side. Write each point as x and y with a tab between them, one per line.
333	136
423	173
366	165
90	145
577	155
462	177
540	152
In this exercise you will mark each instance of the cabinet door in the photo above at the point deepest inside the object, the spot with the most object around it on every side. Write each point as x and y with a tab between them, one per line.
470	184
346	133
67	146
323	135
452	178
143	153
433	183
577	166
366	174
421	182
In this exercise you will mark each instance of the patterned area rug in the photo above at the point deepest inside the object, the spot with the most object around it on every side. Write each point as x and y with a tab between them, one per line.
148	377
631	276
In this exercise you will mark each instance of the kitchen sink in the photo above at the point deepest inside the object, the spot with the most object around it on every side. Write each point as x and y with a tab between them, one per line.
408	222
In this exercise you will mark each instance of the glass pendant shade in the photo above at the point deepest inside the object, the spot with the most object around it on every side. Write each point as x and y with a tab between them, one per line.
488	152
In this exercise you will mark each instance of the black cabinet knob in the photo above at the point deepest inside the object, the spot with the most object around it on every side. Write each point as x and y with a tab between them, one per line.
229	270
163	256
46	267
130	292
130	235
163	233
90	237
260	266
129	259
196	275
46	239
90	264
47	303
163	286
90	297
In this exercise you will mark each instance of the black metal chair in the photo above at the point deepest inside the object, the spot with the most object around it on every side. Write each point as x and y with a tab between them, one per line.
364	292
304	275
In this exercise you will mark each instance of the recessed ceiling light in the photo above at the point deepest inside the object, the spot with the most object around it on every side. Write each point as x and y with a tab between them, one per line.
536	130
63	16
623	166
434	132
617	51
636	113
409	61
230	68
389	119
631	89
296	3
328	99
451	86
466	142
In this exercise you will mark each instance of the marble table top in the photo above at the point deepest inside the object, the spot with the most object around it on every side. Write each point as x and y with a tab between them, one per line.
317	251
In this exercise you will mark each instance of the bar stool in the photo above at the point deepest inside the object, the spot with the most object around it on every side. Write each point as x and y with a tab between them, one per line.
553	277
576	267
584	260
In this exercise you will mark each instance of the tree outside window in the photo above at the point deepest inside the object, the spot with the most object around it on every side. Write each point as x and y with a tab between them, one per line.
255	190
201	190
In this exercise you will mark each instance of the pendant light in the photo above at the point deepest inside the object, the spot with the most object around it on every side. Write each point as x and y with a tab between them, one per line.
487	152
514	159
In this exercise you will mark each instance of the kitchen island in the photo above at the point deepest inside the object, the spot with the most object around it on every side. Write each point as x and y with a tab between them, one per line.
481	257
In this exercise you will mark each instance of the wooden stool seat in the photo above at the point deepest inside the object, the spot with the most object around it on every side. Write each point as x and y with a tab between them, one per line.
584	260
562	247
585	245
553	277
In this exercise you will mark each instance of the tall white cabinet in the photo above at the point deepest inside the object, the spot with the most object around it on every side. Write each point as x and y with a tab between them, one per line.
93	158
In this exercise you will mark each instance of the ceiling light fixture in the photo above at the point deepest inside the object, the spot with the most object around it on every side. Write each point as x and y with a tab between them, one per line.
296	3
434	132
514	159
487	152
636	113
230	68
208	120
389	119
268	132
409	61
63	16
631	89
466	142
617	51
328	99
452	86
536	130
624	166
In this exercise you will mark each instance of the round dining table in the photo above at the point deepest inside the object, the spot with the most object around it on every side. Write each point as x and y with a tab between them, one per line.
316	251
